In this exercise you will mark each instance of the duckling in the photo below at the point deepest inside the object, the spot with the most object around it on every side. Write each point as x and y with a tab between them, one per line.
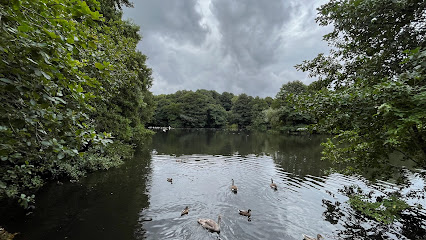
210	225
170	180
273	185
245	213
185	211
306	237
234	188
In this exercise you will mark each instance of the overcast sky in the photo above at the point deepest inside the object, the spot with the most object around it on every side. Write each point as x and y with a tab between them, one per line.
238	46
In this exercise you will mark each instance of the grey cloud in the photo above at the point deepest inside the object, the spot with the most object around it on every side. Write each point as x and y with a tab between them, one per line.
249	30
178	20
237	46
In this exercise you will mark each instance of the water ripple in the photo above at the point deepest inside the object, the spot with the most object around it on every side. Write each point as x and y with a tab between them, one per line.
203	183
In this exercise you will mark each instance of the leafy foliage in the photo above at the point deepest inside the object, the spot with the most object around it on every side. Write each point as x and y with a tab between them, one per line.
290	119
371	89
370	92
386	210
209	109
241	111
62	67
188	109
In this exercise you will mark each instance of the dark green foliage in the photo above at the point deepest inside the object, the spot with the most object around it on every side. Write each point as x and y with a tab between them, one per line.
373	93
207	109
194	107
242	111
166	112
283	116
127	105
188	109
62	70
290	90
369	38
110	9
371	90
216	116
226	100
258	118
386	210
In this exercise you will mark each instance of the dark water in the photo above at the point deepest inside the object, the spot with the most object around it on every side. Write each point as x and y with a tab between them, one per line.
117	204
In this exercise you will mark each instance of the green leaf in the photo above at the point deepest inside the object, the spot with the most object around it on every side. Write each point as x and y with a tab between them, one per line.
5	80
51	34
70	39
29	59
92	45
99	66
16	4
79	89
24	28
46	143
47	76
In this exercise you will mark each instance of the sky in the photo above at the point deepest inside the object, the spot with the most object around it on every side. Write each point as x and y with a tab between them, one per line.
238	46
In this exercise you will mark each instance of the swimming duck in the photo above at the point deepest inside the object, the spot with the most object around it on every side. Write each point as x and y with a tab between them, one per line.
273	185
170	180
233	187
306	237
210	224
245	213
185	211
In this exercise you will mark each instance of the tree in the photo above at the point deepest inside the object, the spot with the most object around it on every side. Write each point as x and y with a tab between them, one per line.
111	9
226	100
62	70
370	90
258	118
289	118
372	95
290	90
194	107
161	114
216	116
212	96
127	103
242	111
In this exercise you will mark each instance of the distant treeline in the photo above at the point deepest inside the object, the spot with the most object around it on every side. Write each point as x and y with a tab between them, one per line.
210	109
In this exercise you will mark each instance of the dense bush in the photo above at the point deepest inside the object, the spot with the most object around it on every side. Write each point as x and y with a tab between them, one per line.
63	76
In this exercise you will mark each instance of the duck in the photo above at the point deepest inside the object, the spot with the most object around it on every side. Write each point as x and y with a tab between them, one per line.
170	180
245	213
273	185
185	211
306	237
210	225
233	187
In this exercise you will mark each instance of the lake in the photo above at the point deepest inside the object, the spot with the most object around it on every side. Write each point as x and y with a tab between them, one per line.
135	201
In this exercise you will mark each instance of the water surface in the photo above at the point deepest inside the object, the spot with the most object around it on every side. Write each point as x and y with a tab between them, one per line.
135	201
